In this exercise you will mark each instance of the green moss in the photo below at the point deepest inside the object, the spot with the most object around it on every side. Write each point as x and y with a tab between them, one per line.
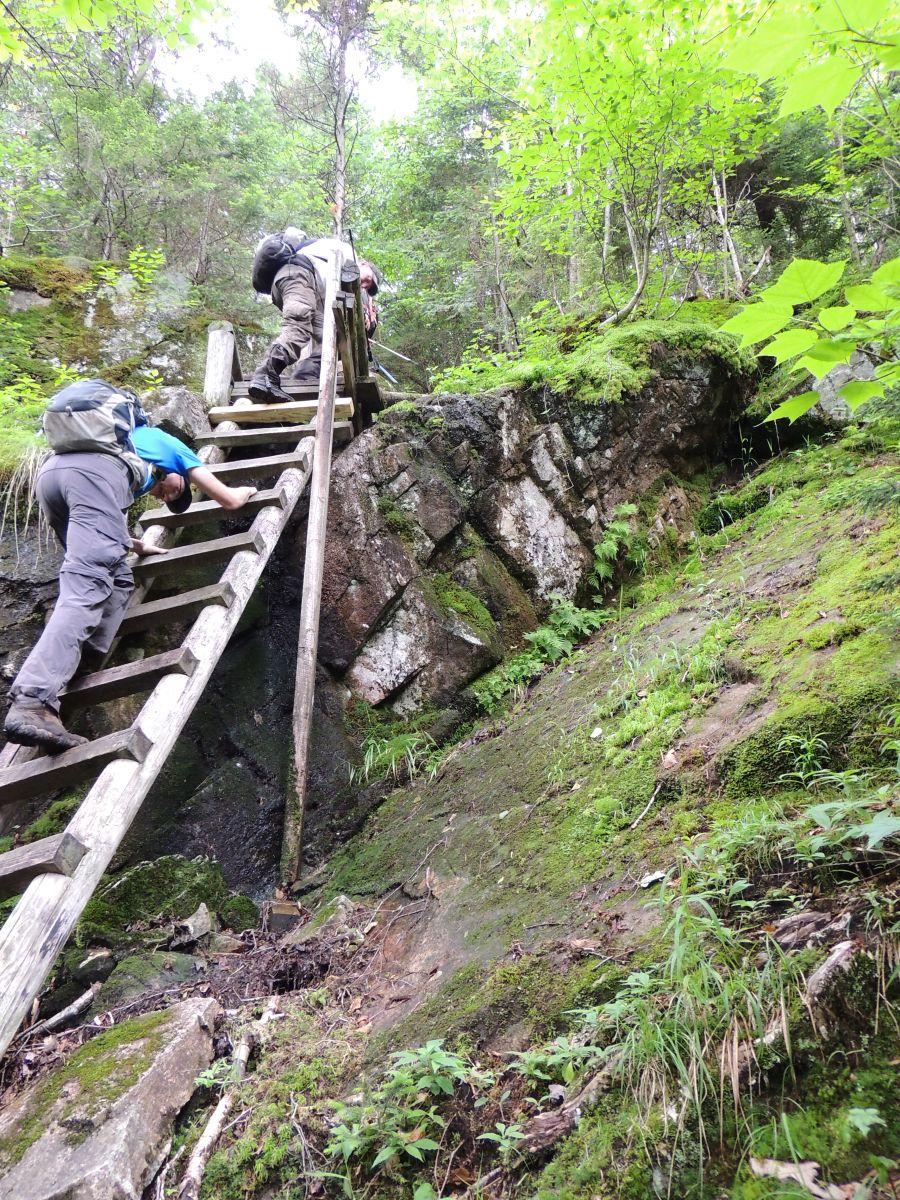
171	886
729	507
395	518
592	367
306	1059
238	913
452	597
95	1076
54	819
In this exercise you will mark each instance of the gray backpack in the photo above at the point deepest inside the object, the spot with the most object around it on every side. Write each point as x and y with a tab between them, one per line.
94	417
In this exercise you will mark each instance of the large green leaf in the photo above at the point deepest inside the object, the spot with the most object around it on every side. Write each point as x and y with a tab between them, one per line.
888	273
789	344
878	830
836	318
758	321
777	44
825	84
824	355
804	280
858	391
868	297
793	408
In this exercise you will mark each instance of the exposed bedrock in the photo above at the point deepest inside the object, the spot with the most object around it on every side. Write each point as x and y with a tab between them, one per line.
452	524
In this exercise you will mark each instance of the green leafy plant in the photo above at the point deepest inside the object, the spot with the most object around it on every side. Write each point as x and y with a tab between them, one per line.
565	625
144	265
620	542
815	343
399	1120
507	1138
404	754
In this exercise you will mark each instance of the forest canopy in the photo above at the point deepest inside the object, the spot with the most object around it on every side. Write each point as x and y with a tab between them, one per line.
568	157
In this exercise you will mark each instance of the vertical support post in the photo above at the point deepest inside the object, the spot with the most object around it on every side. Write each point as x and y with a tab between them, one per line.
220	359
305	682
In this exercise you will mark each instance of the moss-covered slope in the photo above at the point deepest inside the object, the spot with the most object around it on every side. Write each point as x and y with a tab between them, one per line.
731	725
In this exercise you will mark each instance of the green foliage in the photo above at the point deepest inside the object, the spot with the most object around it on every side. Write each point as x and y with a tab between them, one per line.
401	755
621	541
566	623
869	321
572	358
400	1120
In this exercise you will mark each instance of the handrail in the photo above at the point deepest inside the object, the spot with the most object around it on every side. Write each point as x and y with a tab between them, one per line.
305	679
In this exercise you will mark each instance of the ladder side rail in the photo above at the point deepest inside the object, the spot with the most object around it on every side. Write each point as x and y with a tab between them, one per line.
313	565
39	926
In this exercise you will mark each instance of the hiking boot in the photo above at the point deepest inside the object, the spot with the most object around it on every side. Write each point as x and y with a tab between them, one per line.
31	723
265	383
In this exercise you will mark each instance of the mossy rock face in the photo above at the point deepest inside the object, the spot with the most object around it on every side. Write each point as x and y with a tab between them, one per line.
168	888
95	1076
138	975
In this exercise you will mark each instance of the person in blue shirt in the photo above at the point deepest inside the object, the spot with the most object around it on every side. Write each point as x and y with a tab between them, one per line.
85	497
173	467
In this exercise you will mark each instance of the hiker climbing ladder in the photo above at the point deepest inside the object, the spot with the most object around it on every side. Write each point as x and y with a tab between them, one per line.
60	874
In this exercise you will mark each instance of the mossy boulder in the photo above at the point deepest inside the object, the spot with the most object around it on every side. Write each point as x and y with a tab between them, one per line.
142	896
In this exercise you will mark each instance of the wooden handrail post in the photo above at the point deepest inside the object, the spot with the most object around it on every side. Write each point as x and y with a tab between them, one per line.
221	357
305	682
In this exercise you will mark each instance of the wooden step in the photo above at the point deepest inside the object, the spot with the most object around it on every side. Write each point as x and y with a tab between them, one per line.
53	771
207	511
57	855
244	469
154	613
298	412
201	553
140	676
272	435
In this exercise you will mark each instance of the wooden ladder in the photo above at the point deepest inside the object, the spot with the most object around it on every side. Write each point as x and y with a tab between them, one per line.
58	875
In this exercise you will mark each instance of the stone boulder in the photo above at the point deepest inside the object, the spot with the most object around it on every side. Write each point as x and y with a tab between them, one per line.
178	411
99	1127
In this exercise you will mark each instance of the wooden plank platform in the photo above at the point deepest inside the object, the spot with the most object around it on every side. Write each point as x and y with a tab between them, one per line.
57	855
242	470
271	435
52	771
176	608
206	511
184	557
139	676
298	412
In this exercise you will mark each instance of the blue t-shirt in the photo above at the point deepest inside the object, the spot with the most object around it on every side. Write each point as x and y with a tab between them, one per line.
162	450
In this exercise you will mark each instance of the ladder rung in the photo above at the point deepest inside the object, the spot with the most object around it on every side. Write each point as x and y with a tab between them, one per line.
52	771
208	510
57	855
176	608
272	435
258	468
185	557
298	412
139	676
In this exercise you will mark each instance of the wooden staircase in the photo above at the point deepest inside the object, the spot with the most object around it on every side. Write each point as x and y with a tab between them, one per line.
57	876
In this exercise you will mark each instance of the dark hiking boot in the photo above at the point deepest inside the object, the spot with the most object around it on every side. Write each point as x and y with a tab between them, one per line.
265	383
31	723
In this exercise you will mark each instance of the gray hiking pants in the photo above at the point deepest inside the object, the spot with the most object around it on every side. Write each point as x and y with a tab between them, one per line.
85	498
299	293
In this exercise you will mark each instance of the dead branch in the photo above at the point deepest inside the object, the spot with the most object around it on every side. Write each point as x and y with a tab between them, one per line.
215	1126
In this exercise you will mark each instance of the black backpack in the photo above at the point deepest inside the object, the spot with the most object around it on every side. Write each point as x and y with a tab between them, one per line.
274	252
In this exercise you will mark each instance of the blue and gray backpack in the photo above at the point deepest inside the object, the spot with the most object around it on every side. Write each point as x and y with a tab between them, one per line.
94	417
